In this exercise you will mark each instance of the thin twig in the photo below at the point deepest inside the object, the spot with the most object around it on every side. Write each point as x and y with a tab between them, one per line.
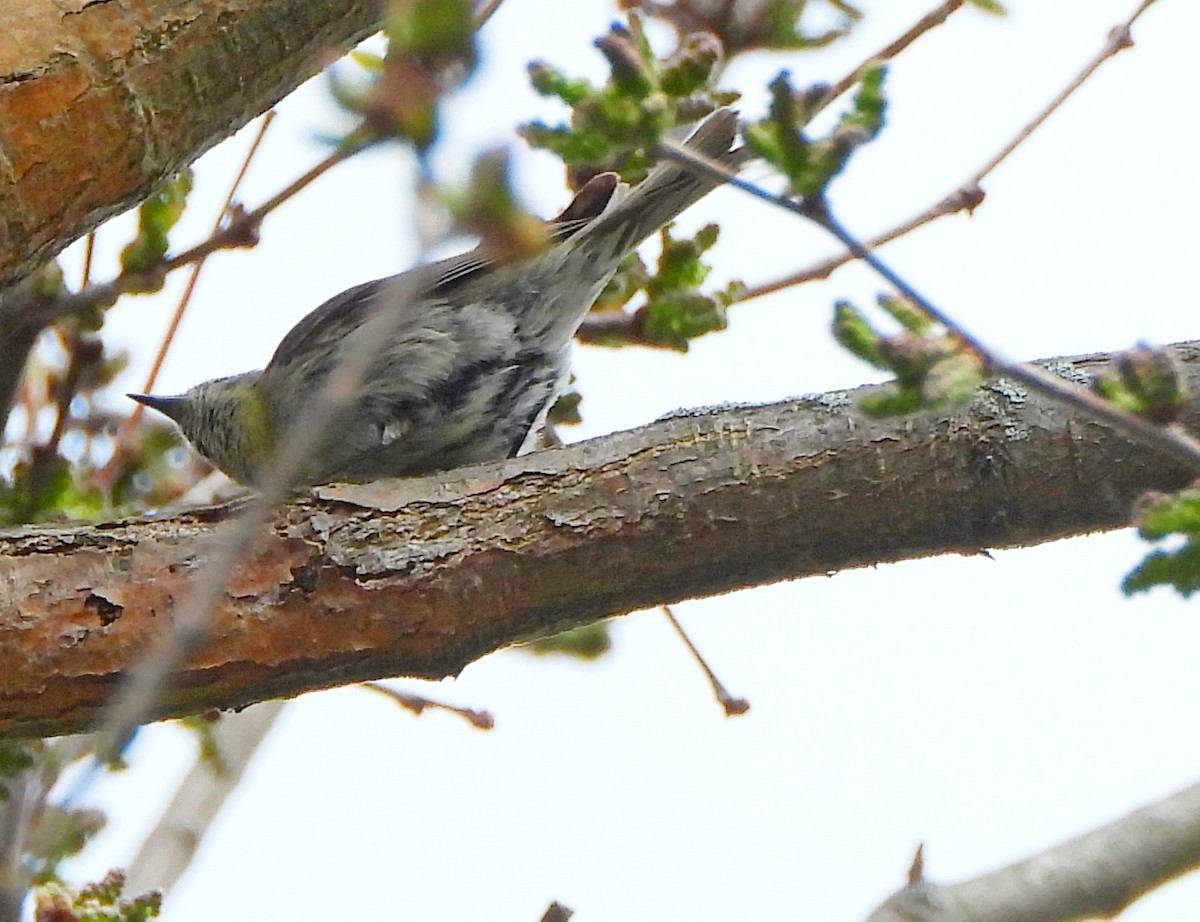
926	23
484	12
733	705
133	701
65	388
198	266
1119	38
607	326
170	846
968	198
89	250
129	426
1094	875
970	194
236	233
482	720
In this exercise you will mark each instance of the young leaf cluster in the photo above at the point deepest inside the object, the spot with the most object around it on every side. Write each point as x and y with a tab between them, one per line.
1159	518
773	25
675	310
51	833
614	126
156	216
1147	382
932	368
431	49
810	164
98	902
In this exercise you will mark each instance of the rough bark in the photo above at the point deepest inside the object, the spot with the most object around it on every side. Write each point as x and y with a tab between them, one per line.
420	577
102	99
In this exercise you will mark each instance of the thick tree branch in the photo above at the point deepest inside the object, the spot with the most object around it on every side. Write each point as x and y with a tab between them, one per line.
420	577
99	101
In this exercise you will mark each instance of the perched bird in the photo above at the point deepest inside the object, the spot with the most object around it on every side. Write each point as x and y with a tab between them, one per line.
474	352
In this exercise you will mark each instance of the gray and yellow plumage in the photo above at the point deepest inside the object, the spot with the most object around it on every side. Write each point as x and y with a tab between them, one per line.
474	353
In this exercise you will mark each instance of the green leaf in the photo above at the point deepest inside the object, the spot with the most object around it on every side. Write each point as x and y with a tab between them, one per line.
15	757
1147	382
431	28
932	369
870	104
853	332
1164	515
588	642
679	265
44	488
778	138
782	30
810	165
205	729
48	280
952	381
690	69
675	311
548	81
909	316
565	409
367	60
674	318
1180	569
612	127
631	277
891	403
156	216
990	6
58	835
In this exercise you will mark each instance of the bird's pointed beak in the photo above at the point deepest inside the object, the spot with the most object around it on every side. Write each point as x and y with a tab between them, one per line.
170	407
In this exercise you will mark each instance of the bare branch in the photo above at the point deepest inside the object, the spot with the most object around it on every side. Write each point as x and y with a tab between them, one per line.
733	705
418	704
1093	876
967	199
1119	38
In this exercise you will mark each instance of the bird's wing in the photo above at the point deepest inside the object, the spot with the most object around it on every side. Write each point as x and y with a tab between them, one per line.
345	311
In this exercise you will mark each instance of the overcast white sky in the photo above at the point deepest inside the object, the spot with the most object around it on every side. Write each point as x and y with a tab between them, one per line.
988	708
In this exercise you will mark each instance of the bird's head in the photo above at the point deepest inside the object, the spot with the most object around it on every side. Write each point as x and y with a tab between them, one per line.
227	420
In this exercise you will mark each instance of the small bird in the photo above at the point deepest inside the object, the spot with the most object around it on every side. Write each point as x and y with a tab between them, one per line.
475	350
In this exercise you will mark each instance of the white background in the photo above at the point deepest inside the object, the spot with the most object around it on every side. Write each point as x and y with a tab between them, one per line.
988	708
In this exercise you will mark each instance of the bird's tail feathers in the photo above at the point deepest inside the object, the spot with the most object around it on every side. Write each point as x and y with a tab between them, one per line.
633	214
